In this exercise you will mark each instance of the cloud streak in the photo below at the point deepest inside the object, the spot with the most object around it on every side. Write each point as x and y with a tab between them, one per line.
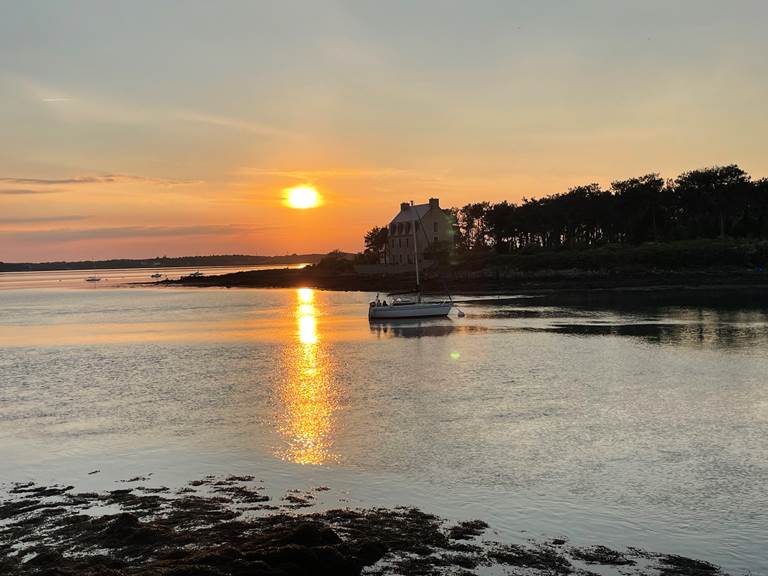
235	124
25	191
41	219
98	179
333	173
134	232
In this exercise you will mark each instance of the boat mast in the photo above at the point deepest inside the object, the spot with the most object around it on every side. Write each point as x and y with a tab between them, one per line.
416	249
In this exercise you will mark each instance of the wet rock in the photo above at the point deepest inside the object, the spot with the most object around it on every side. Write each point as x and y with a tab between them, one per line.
177	534
602	555
673	565
246	478
296	501
467	530
39	491
242	494
313	534
126	530
369	552
45	557
558	542
538	557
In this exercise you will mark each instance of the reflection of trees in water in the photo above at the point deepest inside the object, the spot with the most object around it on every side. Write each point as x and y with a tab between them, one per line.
695	327
728	327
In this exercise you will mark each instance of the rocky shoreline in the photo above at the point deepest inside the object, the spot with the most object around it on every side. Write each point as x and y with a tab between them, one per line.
230	526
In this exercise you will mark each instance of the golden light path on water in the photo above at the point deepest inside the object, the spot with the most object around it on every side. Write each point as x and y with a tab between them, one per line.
307	393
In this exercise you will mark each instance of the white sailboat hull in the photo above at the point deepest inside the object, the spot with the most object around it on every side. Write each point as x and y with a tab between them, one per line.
410	310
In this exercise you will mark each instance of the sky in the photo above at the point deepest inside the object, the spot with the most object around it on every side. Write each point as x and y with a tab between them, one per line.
147	128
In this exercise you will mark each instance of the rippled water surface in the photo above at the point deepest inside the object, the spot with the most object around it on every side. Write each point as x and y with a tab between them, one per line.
643	426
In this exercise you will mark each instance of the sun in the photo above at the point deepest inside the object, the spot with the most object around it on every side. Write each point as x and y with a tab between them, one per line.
302	197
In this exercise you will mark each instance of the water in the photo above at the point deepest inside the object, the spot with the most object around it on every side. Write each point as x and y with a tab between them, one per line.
642	426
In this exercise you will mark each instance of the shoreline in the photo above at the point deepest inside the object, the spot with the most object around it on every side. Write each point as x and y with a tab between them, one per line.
228	525
751	287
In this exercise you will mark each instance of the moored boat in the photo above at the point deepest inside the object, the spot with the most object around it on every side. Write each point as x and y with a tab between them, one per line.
380	309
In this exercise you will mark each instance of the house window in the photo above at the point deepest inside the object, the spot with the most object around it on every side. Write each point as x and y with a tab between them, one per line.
407	227
435	239
399	242
406	242
416	226
401	258
435	226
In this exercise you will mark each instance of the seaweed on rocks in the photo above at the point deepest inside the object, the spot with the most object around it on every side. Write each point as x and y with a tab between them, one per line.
467	529
602	555
673	565
538	556
164	533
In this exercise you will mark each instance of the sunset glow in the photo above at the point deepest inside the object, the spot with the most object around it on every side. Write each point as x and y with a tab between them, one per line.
302	197
134	156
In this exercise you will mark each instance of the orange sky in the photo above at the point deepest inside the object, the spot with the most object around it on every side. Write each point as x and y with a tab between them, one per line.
177	134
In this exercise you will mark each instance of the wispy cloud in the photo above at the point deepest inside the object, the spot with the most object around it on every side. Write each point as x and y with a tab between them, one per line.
98	179
25	191
105	108
41	219
234	123
313	175
120	232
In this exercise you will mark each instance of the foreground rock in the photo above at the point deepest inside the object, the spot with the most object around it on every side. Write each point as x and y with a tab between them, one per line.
217	527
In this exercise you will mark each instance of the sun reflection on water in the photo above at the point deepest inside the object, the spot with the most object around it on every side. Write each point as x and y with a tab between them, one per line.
308	395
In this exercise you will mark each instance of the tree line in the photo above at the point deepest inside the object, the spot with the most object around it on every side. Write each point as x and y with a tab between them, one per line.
720	201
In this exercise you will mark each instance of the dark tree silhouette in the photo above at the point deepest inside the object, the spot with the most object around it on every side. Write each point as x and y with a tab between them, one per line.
720	201
706	203
376	244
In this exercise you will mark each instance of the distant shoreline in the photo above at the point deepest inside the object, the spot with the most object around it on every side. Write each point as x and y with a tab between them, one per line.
565	285
162	262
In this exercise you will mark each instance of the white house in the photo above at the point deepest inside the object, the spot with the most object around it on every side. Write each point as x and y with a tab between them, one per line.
421	225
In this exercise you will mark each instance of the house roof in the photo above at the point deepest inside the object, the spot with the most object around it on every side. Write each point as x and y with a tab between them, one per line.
409	216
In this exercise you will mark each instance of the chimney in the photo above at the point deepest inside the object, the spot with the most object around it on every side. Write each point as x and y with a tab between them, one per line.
434	203
404	206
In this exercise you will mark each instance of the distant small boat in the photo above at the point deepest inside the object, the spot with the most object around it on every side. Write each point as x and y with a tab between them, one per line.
156	275
93	279
196	274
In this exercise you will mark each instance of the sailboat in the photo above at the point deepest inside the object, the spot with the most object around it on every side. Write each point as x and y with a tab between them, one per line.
380	309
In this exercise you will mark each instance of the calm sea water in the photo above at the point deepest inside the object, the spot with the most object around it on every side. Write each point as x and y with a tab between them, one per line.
620	426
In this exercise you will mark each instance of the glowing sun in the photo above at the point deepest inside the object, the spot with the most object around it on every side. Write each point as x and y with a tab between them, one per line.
302	197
